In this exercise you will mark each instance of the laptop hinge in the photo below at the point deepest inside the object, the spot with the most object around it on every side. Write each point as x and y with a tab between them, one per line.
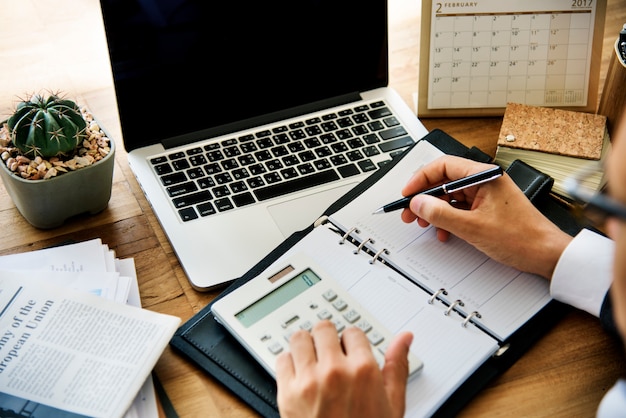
260	120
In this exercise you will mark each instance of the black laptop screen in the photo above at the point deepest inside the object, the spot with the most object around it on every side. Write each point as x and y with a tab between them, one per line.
181	66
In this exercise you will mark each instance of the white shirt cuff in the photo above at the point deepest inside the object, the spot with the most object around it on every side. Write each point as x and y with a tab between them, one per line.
583	274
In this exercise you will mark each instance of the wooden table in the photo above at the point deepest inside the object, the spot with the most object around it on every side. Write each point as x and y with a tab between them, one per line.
565	374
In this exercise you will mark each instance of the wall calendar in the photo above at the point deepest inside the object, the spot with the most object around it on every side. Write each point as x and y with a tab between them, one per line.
477	56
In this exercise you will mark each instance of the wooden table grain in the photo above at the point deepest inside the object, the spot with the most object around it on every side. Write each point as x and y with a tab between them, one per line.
61	45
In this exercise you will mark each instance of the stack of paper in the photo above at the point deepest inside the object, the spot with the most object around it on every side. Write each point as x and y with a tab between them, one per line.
73	336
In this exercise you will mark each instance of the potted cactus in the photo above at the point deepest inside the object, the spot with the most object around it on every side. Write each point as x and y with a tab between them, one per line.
57	161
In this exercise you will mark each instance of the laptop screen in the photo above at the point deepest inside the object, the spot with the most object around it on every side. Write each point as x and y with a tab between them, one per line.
181	66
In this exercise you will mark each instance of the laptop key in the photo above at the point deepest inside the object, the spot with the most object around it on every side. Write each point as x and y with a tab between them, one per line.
379	113
255	182
348	170
355	155
192	199
195	173
392	133
391	121
396	143
322	164
243	199
306	168
180	164
301	183
206	182
367	165
370	151
174	178
289	173
221	191
181	189
158	160
339	159
187	214
206	209
223	204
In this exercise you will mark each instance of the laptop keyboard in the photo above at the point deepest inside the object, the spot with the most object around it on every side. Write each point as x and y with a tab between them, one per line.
220	176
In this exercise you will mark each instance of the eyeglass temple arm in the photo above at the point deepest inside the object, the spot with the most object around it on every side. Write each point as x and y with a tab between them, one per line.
610	206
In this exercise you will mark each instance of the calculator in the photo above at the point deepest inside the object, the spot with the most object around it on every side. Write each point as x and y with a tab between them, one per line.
263	313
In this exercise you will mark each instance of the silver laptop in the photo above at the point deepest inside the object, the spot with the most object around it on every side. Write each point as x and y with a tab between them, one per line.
244	121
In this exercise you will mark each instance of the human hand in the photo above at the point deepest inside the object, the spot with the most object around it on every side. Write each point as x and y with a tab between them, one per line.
495	217
324	376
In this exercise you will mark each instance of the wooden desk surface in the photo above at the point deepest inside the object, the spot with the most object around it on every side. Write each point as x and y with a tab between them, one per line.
61	46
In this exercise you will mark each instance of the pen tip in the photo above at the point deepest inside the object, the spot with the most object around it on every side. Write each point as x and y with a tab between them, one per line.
377	211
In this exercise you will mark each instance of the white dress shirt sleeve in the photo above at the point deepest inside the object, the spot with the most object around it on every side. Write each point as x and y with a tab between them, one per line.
583	274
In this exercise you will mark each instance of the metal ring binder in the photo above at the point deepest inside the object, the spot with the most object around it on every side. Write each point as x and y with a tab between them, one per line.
458	302
347	234
362	244
322	220
441	291
469	318
377	255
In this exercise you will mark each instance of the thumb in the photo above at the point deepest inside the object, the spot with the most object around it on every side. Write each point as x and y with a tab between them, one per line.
396	369
435	211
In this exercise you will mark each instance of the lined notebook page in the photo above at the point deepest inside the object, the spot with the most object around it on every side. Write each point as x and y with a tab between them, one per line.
506	298
450	352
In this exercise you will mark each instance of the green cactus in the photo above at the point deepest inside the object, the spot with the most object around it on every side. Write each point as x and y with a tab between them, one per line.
47	127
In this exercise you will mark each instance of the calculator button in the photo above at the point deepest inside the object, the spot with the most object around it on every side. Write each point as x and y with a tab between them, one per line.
340	304
290	320
339	325
329	295
364	326
352	316
324	314
307	326
275	348
375	338
380	358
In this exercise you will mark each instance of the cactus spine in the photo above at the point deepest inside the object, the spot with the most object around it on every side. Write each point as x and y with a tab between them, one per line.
47	126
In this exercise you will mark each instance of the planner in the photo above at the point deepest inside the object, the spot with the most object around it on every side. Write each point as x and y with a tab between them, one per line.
471	316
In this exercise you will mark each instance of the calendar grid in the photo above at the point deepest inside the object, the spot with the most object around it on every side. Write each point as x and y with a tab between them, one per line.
490	59
486	56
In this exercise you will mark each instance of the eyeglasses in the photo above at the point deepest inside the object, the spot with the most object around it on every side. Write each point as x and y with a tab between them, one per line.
594	206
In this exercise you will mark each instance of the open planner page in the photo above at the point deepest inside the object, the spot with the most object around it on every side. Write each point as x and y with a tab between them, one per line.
450	351
499	298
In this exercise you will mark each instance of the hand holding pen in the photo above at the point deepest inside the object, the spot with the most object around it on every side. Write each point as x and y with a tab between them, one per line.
446	188
499	220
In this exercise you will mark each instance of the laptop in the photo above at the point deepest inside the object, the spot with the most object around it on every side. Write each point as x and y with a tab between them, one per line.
244	120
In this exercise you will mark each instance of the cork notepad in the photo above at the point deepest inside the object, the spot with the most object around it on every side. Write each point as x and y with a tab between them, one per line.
557	142
555	131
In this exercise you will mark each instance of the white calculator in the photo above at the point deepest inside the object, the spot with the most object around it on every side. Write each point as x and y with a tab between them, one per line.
263	313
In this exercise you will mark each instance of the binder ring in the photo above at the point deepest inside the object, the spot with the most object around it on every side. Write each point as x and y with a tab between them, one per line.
347	234
458	302
377	255
362	244
469	318
320	221
441	291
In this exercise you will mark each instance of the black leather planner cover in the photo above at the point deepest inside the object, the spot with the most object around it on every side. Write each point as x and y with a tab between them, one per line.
213	349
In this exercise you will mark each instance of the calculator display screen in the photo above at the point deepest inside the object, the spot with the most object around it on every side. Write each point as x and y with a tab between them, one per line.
277	298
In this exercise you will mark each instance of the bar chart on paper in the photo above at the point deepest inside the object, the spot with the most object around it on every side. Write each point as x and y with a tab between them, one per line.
488	53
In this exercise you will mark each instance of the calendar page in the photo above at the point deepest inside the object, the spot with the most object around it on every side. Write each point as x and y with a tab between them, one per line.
481	55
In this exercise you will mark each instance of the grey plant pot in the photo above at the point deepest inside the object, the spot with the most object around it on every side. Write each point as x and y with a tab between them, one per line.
49	203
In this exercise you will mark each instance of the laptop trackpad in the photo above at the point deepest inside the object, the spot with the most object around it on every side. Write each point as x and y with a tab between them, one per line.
297	214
